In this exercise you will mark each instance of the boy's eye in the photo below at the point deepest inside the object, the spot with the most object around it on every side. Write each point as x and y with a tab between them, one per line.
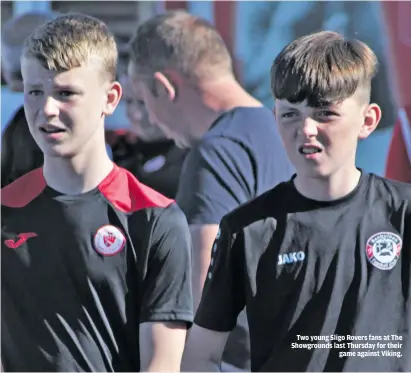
326	113
288	115
35	92
66	94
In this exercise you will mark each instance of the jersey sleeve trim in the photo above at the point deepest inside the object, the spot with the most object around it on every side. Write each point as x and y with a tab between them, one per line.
127	194
187	317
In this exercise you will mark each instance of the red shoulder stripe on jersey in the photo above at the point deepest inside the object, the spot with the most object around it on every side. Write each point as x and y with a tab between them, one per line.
127	194
23	190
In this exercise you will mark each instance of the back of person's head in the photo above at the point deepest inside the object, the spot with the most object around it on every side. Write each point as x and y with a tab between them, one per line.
323	67
183	42
73	40
13	34
19	152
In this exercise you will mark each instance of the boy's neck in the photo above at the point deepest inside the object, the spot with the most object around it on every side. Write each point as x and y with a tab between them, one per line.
336	186
79	174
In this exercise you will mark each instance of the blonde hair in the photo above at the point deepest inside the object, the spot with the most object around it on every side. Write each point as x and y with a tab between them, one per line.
322	67
179	40
70	41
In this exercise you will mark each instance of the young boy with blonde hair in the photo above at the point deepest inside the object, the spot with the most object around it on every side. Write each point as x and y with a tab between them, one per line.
95	265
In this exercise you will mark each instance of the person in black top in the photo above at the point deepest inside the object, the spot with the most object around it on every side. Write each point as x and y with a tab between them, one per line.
183	71
95	265
19	152
322	262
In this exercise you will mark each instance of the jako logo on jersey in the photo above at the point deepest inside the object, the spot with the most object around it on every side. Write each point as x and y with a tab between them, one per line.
298	256
383	250
109	240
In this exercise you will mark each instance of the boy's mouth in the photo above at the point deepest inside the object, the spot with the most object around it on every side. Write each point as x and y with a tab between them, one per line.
51	129
309	149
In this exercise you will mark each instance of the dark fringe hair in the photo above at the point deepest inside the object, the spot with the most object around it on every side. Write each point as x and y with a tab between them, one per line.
322	68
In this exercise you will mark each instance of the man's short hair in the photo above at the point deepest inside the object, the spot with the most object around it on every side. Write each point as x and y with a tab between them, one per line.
321	68
178	40
18	28
71	41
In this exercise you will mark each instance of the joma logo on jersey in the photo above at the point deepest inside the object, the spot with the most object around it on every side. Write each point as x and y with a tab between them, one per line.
288	258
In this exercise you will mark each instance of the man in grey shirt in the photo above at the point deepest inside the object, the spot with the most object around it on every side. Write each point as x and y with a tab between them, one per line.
183	71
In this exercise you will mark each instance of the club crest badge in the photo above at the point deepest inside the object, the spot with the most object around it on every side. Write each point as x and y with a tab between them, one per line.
383	250
109	240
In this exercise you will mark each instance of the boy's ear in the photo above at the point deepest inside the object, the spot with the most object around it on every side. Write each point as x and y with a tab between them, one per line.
113	98
371	120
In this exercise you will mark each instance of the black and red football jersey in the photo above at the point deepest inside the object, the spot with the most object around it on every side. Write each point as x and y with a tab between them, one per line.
81	273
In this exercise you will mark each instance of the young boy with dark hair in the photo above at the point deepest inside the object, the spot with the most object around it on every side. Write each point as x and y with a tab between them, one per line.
321	262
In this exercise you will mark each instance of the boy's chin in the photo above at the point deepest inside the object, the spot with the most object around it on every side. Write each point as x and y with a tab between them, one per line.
57	151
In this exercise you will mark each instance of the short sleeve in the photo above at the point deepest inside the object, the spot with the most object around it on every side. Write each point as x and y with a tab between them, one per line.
217	177
167	292
223	296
